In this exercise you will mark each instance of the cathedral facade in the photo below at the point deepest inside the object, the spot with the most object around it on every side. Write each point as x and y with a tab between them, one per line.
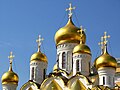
73	69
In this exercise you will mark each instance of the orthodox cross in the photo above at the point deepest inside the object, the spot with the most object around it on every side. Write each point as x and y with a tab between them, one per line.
104	41
70	10
11	57
105	37
39	41
81	33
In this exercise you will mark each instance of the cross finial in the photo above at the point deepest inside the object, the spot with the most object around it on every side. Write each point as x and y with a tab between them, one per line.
105	37
70	10
11	57
39	41
103	42
81	33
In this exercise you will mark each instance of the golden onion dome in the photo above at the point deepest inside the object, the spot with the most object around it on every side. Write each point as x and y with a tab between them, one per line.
38	56
10	78
69	34
82	48
105	60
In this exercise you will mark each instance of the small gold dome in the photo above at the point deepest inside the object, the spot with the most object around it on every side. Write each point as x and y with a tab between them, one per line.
69	34
38	56
81	48
10	77
105	60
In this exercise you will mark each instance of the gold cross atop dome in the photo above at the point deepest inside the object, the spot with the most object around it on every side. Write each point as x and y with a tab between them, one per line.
70	10
81	33
103	42
39	41
11	57
105	37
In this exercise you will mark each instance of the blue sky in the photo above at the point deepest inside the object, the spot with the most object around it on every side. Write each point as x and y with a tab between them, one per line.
21	21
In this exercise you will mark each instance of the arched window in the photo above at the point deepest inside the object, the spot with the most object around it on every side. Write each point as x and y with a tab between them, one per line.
63	60
103	80
32	73
77	65
44	73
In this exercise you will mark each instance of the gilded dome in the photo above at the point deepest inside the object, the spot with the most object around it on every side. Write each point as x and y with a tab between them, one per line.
10	77
81	48
38	56
68	34
105	60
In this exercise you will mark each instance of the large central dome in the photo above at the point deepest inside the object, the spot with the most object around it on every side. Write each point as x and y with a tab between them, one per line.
69	34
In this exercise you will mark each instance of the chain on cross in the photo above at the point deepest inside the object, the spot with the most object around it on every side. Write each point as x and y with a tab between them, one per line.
11	57
39	41
81	33
70	10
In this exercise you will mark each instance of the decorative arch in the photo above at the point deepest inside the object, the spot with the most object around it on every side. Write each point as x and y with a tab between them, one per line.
53	81
77	85
52	86
78	81
29	86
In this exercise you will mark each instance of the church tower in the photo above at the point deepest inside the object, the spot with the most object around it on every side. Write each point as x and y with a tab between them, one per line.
66	39
106	65
10	79
81	57
38	64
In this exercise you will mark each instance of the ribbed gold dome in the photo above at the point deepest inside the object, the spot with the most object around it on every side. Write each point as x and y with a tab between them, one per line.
81	48
68	34
10	77
105	60
38	56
